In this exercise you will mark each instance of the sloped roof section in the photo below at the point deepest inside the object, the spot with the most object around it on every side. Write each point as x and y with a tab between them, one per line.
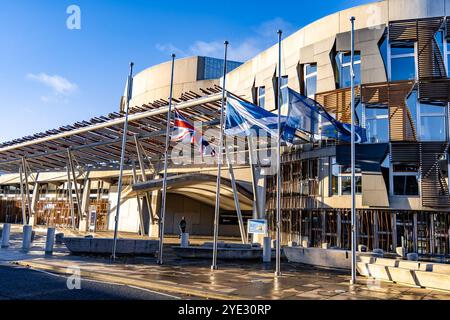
96	143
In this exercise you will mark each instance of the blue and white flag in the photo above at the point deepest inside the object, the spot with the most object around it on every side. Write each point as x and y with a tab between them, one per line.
303	114
245	118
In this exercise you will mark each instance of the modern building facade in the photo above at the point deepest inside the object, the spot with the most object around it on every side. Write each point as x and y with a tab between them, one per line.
402	72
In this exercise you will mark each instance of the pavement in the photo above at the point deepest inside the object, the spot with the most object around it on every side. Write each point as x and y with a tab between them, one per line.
194	278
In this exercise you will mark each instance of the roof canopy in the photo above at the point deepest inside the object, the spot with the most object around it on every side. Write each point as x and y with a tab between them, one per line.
97	143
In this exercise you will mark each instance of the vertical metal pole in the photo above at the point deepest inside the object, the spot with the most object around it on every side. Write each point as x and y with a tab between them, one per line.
162	216
278	222
27	187
69	194
219	161
24	212
353	154
236	198
122	160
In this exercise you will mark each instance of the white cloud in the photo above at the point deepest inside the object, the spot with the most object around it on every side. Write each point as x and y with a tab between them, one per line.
58	84
263	37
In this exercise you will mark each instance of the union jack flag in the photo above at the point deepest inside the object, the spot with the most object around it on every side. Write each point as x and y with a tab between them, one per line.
184	131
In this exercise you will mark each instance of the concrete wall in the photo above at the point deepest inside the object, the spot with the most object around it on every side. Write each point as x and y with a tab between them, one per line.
129	214
314	43
154	83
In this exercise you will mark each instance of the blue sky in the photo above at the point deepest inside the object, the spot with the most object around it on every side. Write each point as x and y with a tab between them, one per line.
52	76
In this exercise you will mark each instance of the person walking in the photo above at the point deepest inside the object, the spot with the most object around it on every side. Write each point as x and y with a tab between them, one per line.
182	226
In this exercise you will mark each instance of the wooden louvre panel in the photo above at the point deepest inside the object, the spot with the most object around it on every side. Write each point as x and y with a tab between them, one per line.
431	61
405	152
403	30
338	102
394	95
434	90
435	191
401	121
377	93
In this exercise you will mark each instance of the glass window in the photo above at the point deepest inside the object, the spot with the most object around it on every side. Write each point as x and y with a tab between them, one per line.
262	97
213	68
433	122
346	185
406	186
403	61
377	124
447	53
310	80
283	88
383	46
343	61
411	102
405	179
341	179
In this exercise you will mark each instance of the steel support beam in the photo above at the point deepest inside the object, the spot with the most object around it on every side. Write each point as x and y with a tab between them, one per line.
24	212
75	185
236	197
141	214
144	179
27	191
69	194
253	161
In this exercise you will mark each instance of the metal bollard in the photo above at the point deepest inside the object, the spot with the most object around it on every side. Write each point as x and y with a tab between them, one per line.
50	241
26	244
267	249
5	235
185	240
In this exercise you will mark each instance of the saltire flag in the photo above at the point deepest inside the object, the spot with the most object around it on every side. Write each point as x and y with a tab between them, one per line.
304	115
244	118
184	131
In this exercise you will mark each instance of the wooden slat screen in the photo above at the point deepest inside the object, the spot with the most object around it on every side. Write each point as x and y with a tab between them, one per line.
435	191
394	95
338	102
431	63
405	152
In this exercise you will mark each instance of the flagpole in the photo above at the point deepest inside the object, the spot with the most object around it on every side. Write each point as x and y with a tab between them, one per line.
278	224
219	161
122	160
166	162
353	153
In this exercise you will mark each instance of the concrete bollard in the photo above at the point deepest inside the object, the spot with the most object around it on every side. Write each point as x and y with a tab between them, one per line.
50	241
26	244
184	240
267	249
5	235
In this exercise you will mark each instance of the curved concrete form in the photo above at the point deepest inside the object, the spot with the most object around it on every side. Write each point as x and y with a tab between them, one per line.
201	187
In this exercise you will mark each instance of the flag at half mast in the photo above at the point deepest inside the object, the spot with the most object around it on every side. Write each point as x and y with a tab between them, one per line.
184	131
244	118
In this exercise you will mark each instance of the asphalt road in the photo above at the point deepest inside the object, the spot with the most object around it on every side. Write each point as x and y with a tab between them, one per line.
18	283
